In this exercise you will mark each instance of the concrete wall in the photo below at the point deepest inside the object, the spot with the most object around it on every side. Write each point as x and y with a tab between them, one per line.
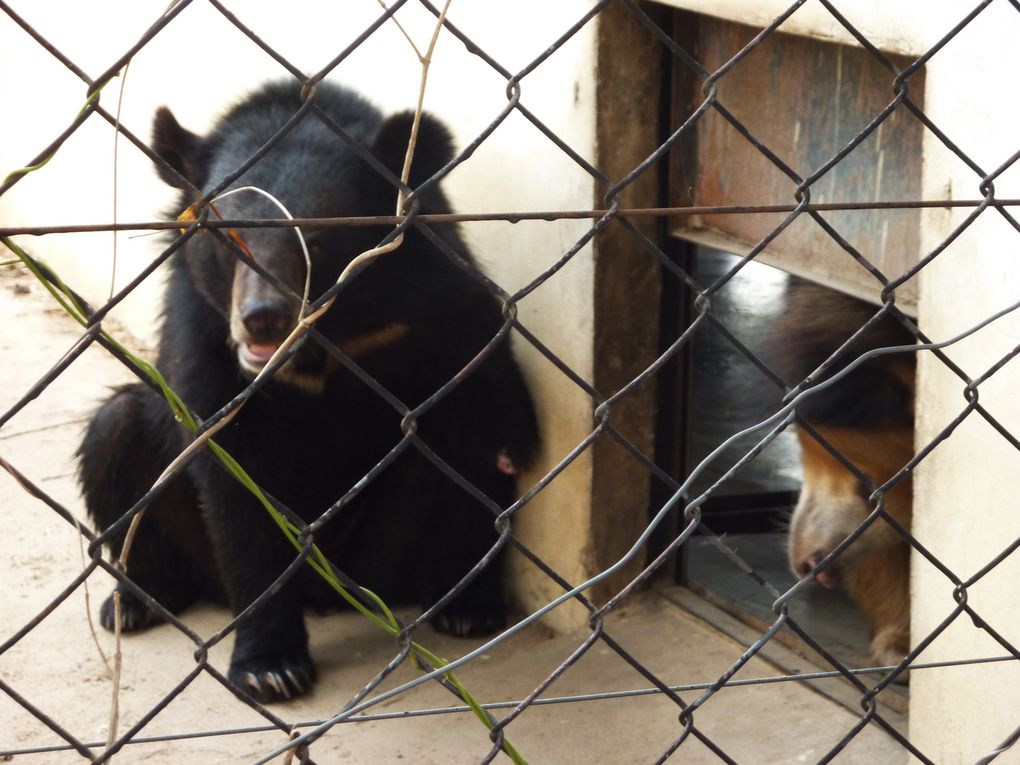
965	491
200	62
965	504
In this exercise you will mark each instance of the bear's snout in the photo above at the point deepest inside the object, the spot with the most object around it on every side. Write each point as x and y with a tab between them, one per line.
266	319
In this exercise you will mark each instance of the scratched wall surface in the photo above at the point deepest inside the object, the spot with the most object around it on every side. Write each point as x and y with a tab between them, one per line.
805	100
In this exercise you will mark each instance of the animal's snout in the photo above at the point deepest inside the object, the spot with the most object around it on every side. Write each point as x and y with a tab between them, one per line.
266	319
261	317
829	577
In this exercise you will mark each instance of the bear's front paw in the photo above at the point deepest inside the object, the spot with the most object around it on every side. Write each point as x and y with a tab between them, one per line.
275	676
889	646
471	617
134	615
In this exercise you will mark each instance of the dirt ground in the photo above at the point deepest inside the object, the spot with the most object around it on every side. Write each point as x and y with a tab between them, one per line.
57	669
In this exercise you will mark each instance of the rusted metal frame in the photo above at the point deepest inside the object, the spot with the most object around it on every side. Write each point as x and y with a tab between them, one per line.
548	216
622	214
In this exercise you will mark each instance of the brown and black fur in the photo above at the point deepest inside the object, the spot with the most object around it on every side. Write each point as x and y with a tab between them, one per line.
867	417
412	320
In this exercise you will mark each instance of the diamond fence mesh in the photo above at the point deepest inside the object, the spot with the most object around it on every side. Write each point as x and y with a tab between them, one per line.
438	448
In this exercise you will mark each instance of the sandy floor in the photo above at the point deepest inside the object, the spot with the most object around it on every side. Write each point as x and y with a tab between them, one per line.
57	667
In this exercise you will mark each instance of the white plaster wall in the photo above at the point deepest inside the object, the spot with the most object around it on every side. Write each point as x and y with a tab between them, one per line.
966	506
200	63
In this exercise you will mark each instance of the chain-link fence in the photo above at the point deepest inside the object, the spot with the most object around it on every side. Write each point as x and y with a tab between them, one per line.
334	414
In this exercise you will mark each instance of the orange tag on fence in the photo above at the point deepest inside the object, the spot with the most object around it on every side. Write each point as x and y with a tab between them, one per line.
189	216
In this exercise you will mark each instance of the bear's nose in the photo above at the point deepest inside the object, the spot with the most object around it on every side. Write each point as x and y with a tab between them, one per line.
266	318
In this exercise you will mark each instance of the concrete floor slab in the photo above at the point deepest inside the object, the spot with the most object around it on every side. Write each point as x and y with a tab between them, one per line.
57	666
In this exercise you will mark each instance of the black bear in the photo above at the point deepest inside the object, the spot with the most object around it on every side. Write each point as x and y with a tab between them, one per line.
412	319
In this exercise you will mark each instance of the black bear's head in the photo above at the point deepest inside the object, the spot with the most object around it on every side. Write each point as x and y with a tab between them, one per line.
188	158
315	169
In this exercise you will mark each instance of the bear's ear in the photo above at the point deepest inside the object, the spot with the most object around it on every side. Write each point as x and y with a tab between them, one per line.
433	149
179	148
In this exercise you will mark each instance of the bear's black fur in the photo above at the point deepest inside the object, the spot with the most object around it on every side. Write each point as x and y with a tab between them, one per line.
411	319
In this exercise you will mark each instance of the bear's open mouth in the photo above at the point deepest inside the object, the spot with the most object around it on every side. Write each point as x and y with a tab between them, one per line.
306	371
255	355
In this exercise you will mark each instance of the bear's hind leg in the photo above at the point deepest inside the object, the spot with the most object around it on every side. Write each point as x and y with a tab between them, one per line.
126	446
460	534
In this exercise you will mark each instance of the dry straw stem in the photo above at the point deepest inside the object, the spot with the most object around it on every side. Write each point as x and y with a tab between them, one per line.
88	601
111	734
